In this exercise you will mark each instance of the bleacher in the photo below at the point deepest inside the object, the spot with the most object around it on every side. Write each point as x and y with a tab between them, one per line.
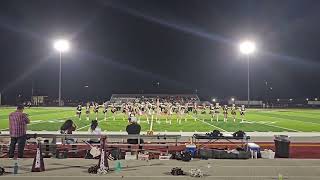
136	98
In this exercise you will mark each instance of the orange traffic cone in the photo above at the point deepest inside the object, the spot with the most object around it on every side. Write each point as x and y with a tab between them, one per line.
38	163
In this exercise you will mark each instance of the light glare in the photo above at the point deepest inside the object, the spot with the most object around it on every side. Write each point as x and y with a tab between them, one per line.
61	45
247	47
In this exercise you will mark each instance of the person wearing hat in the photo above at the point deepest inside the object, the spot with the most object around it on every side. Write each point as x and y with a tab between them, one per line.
133	129
18	127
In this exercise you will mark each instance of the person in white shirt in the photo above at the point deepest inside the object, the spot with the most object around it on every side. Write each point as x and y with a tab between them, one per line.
94	129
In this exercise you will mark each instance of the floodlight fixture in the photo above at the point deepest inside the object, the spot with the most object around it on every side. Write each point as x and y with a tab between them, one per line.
62	45
247	47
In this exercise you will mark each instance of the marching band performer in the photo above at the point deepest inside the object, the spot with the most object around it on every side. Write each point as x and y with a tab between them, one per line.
157	111
233	112
185	111
105	110
96	110
29	104
79	109
88	111
212	111
149	112
170	112
242	112
195	111
180	113
225	113
217	111
176	110
140	111
166	111
113	111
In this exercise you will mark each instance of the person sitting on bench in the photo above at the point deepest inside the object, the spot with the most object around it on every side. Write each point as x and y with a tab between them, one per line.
67	128
133	129
94	129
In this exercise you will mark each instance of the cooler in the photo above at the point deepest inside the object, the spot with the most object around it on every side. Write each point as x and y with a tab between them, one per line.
192	148
255	149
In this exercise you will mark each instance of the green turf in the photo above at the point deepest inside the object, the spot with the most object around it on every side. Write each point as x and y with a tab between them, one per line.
260	120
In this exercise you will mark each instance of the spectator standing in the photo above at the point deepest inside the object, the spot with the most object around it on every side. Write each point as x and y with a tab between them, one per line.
18	127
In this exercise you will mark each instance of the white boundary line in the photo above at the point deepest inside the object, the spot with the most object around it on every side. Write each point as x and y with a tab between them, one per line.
291	120
275	125
208	123
41	121
213	126
257	122
84	127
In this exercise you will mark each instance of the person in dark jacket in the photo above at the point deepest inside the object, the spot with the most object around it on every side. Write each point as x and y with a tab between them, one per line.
67	128
133	129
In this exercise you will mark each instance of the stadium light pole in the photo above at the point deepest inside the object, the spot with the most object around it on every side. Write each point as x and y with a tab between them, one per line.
247	48
61	46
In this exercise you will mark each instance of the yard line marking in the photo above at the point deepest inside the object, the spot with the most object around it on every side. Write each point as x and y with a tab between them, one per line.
41	121
213	126
209	124
299	121
151	125
275	126
291	119
84	127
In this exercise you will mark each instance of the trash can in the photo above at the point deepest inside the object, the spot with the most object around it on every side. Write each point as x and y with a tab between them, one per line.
282	146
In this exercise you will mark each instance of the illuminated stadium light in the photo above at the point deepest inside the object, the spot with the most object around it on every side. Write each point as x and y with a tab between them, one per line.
232	99
307	99
61	45
247	47
290	99
213	100
278	100
316	99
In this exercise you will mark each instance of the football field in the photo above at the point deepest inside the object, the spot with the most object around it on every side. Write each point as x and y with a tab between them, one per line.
257	120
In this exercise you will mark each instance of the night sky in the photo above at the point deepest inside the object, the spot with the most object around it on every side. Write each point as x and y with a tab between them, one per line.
188	46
